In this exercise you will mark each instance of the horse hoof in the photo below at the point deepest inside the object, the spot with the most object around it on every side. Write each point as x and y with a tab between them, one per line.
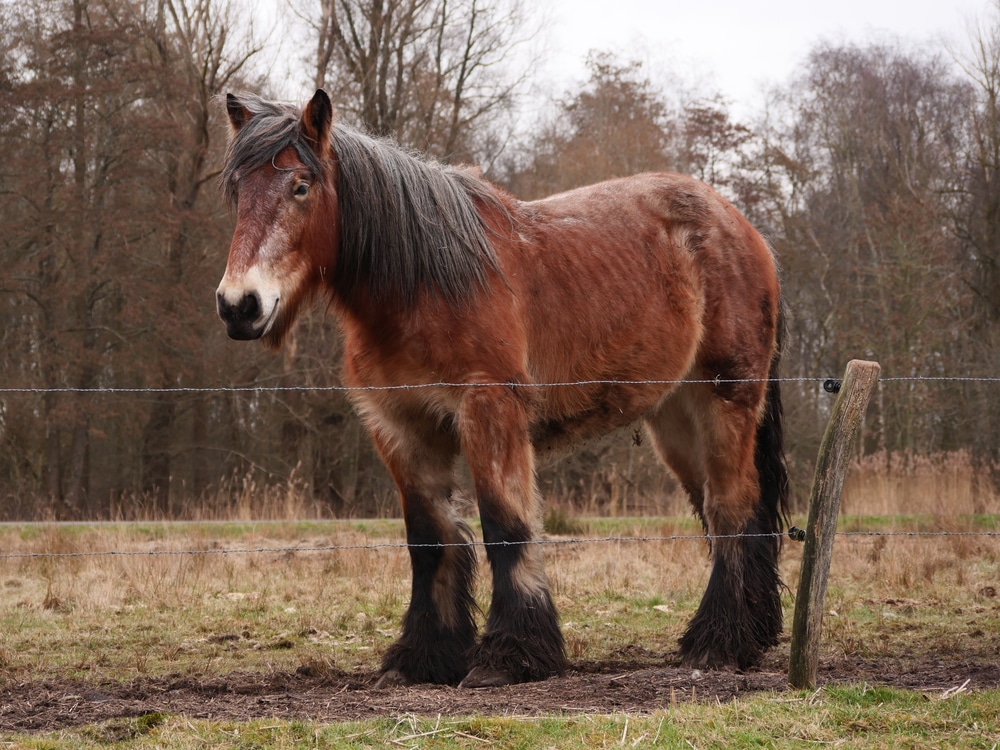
481	677
392	678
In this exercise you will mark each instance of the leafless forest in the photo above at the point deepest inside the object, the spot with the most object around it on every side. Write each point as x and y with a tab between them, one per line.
875	172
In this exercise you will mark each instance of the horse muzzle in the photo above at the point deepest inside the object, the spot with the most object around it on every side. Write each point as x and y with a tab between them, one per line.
244	319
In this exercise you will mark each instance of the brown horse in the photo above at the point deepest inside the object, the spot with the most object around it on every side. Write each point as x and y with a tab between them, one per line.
561	319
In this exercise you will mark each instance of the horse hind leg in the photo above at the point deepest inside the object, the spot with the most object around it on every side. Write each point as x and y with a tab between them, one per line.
522	641
674	434
739	617
439	627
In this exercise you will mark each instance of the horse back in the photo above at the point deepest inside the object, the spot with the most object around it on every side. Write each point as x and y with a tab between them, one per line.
649	278
653	277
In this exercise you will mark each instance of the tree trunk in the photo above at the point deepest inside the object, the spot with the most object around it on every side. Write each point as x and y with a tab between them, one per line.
156	452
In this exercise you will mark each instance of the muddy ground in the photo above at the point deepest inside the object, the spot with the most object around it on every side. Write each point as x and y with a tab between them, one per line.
638	681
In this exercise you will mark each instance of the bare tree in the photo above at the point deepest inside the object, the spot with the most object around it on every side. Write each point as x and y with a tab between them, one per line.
864	165
975	214
710	141
978	220
75	178
105	113
427	72
199	48
617	124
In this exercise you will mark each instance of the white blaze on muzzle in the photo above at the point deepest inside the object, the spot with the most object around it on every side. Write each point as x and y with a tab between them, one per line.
249	297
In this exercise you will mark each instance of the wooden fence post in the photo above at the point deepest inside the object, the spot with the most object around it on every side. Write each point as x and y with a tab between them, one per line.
839	439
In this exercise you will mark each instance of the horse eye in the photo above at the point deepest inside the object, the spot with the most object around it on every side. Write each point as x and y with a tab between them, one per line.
301	190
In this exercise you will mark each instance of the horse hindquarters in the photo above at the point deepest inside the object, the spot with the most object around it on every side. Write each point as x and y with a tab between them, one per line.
733	469
740	616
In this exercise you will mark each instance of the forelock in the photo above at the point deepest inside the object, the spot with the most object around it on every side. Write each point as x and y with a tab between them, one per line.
270	129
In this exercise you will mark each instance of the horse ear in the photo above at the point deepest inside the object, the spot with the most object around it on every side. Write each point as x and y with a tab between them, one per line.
317	119
238	114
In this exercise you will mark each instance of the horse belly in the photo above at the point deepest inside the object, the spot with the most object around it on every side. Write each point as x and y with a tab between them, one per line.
601	383
616	408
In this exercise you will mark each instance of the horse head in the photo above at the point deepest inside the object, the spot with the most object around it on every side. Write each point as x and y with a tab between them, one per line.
280	173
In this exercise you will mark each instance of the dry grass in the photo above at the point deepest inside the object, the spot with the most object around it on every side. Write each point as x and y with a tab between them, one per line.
211	604
193	596
115	616
879	484
912	595
223	609
198	600
243	497
945	485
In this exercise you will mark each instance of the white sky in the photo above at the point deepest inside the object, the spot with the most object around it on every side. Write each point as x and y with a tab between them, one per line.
738	47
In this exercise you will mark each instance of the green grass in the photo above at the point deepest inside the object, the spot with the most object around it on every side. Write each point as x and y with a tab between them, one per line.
918	522
845	716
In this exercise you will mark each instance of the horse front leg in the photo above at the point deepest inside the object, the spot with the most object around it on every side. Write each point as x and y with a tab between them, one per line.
439	627
522	641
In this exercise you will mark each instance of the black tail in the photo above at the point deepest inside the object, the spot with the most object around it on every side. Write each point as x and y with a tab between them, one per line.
769	455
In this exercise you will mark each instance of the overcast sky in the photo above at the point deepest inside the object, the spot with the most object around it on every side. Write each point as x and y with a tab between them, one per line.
739	46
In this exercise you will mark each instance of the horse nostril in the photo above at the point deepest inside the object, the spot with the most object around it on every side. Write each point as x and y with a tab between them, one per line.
249	308
224	308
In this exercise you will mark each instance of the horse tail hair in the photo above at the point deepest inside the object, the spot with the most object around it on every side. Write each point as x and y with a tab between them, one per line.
769	453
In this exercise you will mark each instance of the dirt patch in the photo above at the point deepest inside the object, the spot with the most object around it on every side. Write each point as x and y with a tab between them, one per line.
637	682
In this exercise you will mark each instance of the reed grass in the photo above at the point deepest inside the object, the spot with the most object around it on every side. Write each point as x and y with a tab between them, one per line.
944	485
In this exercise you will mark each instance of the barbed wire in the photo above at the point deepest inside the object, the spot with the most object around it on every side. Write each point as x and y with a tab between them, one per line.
826	382
474	543
506	384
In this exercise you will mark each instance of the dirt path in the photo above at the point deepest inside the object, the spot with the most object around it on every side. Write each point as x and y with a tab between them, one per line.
637	683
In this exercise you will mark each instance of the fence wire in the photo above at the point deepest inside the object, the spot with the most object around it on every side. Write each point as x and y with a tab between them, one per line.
569	541
824	381
101	390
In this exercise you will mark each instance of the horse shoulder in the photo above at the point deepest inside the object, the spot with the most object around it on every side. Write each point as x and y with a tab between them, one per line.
478	340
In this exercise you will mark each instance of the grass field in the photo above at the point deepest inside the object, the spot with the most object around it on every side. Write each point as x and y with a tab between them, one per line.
200	602
853	716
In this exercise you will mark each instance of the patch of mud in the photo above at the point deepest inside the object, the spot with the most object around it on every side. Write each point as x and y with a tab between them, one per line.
638	682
